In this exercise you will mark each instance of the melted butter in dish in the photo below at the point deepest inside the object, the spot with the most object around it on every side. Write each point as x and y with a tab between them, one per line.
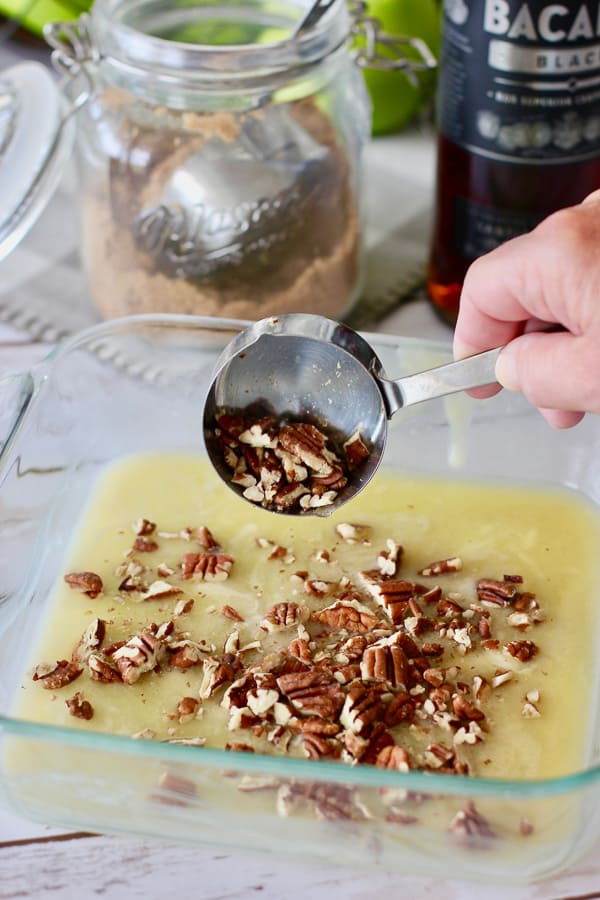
428	625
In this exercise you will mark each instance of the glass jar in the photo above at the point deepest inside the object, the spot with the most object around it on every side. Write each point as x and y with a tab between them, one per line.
218	154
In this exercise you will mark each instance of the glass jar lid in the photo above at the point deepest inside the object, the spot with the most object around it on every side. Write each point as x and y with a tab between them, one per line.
35	144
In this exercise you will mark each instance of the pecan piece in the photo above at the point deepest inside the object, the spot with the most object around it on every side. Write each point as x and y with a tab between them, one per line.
141	653
466	710
352	533
362	708
355	451
496	593
144	527
386	661
231	613
348	615
87	582
470	824
442	567
102	668
186	653
307	443
216	674
282	615
90	640
78	707
314	692
390	593
57	676
145	544
208	566
393	757
521	650
187	709
315	746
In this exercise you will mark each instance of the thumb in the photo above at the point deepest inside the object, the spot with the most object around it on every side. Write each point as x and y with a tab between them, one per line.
556	370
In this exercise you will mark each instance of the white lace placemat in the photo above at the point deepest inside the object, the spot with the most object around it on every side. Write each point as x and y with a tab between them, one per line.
43	290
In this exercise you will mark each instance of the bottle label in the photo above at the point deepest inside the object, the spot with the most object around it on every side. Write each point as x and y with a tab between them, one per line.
479	229
521	81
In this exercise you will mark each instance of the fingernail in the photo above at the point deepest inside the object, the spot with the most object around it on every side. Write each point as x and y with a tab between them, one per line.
506	369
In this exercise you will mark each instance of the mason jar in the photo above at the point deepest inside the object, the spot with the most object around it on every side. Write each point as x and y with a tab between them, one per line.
219	147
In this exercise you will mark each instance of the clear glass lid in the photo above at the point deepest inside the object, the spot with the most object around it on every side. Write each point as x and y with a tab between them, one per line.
35	143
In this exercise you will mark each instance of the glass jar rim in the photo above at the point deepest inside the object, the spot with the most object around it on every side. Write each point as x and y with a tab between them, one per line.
125	32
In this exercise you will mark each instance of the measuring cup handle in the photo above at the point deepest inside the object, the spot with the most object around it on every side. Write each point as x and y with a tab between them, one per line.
461	375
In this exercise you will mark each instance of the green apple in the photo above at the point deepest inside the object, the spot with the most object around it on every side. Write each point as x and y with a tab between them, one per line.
395	100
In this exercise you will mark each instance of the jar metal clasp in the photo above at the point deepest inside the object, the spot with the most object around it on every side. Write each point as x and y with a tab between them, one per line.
387	51
72	48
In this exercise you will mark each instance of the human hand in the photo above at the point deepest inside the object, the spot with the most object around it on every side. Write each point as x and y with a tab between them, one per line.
540	295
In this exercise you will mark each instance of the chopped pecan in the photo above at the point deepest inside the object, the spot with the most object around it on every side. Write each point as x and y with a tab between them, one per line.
307	443
393	757
143	527
187	709
335	481
352	649
208	566
183	607
348	615
288	495
300	648
141	653
58	675
216	674
442	567
87	582
401	708
282	615
315	725
389	560
102	668
466	710
313	693
231	613
521	650
470	824
158	590
362	708
145	544
206	538
185	653
392	594
355	451
496	593
386	661
352	533
316	587
78	707
315	746
91	640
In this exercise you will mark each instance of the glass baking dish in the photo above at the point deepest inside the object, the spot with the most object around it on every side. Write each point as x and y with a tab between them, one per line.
138	384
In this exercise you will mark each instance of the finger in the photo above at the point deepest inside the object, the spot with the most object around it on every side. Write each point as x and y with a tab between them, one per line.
558	371
561	418
501	293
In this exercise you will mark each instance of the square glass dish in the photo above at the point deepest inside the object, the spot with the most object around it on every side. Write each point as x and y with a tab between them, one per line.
138	385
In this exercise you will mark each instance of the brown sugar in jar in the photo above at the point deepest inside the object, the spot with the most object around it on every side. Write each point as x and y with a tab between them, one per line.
311	261
219	158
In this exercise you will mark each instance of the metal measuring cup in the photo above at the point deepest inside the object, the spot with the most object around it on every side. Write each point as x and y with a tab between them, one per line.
309	368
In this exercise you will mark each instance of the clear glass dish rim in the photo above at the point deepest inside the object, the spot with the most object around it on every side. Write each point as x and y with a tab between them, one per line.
286	768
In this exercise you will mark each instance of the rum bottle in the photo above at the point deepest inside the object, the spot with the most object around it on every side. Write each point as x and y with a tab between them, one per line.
518	127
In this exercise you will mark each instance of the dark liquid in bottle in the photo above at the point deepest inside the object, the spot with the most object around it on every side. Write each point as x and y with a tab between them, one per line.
480	203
